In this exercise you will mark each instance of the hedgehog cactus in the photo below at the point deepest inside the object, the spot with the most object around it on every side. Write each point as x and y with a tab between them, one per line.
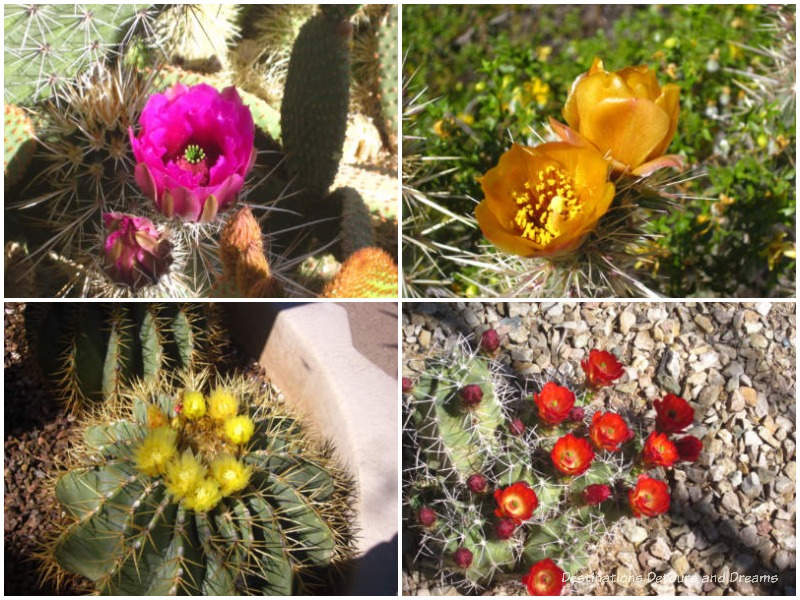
94	350
368	273
463	432
177	505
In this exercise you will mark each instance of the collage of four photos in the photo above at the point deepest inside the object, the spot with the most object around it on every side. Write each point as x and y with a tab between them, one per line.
400	299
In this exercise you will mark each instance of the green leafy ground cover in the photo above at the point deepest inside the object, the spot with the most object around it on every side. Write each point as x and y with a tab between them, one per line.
496	73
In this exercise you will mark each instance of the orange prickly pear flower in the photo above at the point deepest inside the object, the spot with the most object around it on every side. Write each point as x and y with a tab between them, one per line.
650	497
608	431
543	201
624	113
659	451
572	455
544	579
602	368
554	403
517	502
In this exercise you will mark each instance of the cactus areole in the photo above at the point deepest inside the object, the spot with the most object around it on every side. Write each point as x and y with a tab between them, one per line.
226	496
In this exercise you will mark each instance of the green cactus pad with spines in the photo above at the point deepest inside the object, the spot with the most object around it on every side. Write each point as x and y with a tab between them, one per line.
315	103
19	143
44	44
91	351
387	80
130	536
357	229
266	118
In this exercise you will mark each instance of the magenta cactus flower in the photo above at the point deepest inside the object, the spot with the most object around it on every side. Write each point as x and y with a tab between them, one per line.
136	252
195	147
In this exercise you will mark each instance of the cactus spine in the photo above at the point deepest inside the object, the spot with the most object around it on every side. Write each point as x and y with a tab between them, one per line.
181	508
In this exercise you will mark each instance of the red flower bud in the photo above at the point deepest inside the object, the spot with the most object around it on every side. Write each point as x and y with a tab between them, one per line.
477	483
596	493
408	385
463	558
576	414
689	448
471	395
544	579
602	368
426	516
505	528
490	341
554	403
673	414
516	427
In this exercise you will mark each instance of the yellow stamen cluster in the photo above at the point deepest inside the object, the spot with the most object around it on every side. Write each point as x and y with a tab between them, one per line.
194	405
156	451
545	204
239	429
183	474
222	404
204	496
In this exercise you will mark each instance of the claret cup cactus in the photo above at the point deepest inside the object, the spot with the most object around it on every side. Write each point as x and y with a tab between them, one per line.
501	484
200	484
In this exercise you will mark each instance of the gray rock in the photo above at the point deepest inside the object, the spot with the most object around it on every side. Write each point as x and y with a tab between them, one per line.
643	341
425	338
680	564
749	536
751	439
704	323
783	559
518	309
731	502
660	549
751	485
709	395
633	532
627	319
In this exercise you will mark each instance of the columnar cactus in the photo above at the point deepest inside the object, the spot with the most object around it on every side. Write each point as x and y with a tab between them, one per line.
357	230
497	481
197	484
95	350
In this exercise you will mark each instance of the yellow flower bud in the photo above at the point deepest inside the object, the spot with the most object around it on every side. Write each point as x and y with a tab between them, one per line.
239	430
231	474
183	474
156	450
222	404
204	496
194	405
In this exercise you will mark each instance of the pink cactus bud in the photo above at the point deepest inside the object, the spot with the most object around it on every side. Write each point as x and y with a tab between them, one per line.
408	385
471	395
477	483
505	528
596	493
426	516
136	253
463	558
516	427
490	340
576	414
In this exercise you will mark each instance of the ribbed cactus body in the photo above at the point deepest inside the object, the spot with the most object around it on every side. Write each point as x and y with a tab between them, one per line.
368	273
315	103
131	535
94	350
18	142
357	229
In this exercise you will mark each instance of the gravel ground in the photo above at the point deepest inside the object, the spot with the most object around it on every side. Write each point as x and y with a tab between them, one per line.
734	510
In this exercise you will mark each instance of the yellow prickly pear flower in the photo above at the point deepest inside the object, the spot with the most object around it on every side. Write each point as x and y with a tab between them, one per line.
239	430
156	450
204	496
194	405
183	474
222	404
231	474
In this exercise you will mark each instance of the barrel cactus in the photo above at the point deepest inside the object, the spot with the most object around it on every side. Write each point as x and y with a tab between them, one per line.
199	484
498	480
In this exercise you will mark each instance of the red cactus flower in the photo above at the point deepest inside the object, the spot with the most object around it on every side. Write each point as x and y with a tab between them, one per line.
554	403
463	558
136	252
659	451
650	497
408	385
576	414
490	341
544	579
471	395
596	493
602	368
426	516
516	502
608	431
673	414
516	427
477	483
505	528
572	455
689	448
